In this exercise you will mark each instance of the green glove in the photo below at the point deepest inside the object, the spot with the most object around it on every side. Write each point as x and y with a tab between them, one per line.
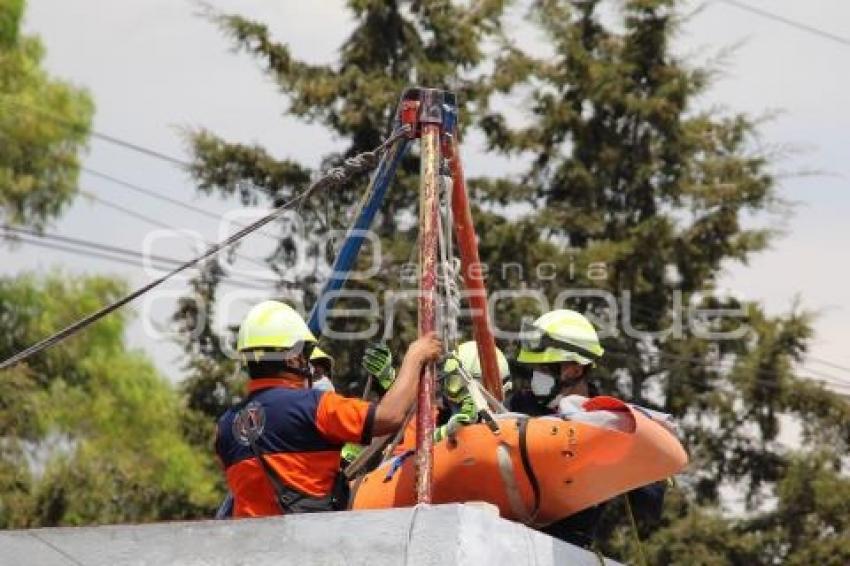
467	408
450	428
351	451
454	387
378	361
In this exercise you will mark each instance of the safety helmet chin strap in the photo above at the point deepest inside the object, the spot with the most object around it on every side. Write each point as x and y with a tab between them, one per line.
285	366
305	373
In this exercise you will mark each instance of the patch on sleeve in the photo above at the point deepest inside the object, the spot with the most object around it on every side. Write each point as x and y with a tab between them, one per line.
249	423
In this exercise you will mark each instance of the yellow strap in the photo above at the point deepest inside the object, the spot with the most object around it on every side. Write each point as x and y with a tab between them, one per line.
641	555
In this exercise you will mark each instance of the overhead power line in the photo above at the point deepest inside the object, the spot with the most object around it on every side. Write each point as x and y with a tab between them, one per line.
115	140
652	315
99	250
127	211
828	363
706	365
150	193
129	145
152	221
70	249
140	149
787	21
87	243
106	257
159	196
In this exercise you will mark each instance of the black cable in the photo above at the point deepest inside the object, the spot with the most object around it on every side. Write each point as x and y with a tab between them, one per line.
159	262
124	210
102	256
150	193
828	363
106	257
789	22
84	253
152	221
528	468
158	196
90	244
71	125
654	313
335	177
702	363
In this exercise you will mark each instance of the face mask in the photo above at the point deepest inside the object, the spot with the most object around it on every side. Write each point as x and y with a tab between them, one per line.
542	383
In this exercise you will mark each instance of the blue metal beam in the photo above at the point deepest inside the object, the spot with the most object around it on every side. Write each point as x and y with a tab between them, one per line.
356	234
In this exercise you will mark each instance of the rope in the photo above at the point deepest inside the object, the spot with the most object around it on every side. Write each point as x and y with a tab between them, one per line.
497	406
333	178
641	556
450	269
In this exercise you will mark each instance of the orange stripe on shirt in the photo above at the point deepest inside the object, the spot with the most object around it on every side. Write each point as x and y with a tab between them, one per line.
311	473
342	419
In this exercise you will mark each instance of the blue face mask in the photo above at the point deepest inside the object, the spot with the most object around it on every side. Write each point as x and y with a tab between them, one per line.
542	383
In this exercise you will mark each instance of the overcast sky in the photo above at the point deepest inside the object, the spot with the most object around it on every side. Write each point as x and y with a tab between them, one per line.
154	67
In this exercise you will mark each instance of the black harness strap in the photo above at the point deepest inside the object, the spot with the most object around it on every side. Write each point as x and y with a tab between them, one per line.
285	496
289	499
526	464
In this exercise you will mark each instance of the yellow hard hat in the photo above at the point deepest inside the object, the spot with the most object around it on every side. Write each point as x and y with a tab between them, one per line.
467	355
272	325
320	355
560	336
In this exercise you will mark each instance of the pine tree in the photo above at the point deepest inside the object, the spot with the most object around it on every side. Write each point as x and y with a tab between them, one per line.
395	44
626	171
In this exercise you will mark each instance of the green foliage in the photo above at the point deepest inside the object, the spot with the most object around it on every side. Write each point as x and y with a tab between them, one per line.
44	124
807	525
11	12
89	432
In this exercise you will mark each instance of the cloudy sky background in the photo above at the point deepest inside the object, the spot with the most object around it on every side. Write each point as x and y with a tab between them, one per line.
154	67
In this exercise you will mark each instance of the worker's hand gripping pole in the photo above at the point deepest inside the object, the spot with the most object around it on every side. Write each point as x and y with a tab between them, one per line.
430	118
473	278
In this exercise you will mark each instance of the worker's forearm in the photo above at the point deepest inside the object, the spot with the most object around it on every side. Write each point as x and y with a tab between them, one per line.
392	409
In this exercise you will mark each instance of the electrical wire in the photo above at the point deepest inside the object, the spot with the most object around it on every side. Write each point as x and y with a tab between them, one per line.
623	354
134	263
163	198
787	21
154	222
99	250
115	140
150	193
654	313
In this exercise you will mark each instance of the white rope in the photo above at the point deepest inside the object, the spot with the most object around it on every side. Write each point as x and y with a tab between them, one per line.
449	267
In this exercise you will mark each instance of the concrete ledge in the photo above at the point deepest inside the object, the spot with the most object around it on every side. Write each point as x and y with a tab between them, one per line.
426	535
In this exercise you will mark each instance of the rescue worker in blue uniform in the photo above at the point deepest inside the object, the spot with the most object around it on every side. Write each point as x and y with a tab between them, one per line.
280	447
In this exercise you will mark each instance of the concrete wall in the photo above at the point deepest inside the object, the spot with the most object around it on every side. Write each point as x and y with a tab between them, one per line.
427	535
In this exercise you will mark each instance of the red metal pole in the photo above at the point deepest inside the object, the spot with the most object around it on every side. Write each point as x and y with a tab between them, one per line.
473	278
428	242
